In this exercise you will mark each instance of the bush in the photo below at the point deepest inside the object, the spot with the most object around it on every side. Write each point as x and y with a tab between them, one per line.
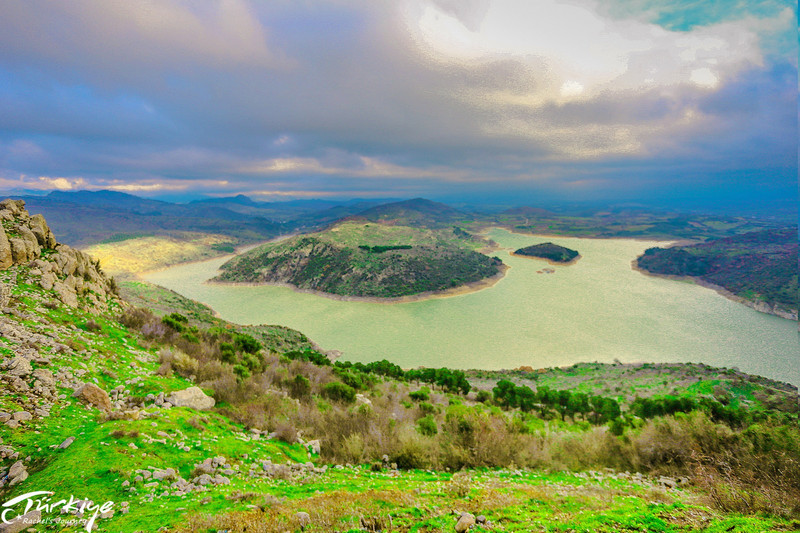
339	392
422	395
300	387
176	321
427	426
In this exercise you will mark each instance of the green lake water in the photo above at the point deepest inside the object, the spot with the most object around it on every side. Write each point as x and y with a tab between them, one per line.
598	309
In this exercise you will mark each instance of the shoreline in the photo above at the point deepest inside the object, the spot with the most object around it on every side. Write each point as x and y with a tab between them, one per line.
672	242
761	307
550	261
467	288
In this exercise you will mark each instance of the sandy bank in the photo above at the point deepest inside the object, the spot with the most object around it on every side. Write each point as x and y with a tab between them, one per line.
550	261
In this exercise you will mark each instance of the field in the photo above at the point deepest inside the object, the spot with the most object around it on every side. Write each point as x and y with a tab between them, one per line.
140	254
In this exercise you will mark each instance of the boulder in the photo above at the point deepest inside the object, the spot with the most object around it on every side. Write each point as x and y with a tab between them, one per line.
14	206
21	523
193	398
19	252
93	395
17	473
167	473
313	446
465	522
44	236
303	519
64	445
5	250
19	367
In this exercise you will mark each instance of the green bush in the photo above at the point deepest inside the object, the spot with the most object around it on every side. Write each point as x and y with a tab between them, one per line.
422	395
427	426
339	392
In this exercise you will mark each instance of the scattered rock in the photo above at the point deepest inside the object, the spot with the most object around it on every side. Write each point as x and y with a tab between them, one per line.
64	445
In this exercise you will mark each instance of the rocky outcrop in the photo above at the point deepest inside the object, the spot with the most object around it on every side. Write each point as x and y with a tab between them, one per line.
73	275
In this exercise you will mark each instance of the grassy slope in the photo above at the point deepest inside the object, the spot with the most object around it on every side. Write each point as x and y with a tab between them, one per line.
627	381
334	261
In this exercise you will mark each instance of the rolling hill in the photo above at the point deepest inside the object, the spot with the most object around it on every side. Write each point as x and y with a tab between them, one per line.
367	260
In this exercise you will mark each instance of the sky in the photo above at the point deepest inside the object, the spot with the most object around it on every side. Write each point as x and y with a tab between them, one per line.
504	100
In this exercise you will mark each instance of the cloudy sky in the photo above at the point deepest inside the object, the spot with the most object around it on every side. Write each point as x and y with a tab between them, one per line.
451	99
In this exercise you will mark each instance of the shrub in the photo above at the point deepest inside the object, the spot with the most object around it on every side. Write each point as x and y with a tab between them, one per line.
176	321
484	396
300	387
427	426
422	395
246	343
339	392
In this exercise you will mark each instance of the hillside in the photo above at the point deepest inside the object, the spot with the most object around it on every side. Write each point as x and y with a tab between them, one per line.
760	267
82	218
417	212
549	251
367	260
174	419
628	223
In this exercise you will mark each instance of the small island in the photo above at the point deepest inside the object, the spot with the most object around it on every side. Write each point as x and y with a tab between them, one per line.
551	252
357	259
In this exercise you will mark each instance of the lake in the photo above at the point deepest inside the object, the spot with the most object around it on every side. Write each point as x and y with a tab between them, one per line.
598	309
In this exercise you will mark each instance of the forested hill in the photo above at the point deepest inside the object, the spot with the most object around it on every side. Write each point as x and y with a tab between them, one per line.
759	266
367	260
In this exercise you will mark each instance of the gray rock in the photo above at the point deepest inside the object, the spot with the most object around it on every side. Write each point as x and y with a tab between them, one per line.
93	395
465	522
314	446
64	445
5	252
19	367
22	416
303	519
167	473
21	523
193	398
203	479
17	473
